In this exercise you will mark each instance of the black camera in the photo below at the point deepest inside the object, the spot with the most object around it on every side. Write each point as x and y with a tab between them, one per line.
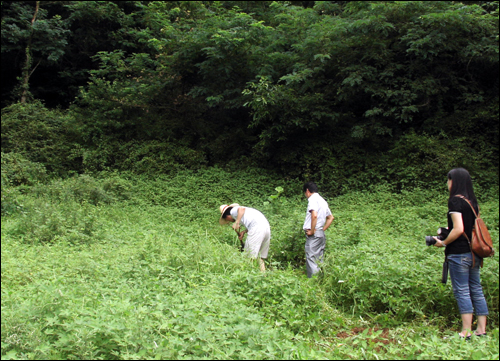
442	233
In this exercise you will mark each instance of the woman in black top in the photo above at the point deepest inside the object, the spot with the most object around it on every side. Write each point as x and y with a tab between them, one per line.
464	273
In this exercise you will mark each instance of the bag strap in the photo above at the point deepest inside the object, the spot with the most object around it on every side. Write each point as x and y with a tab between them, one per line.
472	252
465	234
470	204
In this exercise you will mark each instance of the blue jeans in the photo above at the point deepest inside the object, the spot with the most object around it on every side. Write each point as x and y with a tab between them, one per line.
467	284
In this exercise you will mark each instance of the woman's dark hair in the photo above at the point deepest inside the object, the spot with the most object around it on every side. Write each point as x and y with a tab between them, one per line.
462	184
313	188
226	212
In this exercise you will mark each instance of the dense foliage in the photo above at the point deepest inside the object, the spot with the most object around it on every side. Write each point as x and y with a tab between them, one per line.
125	124
118	266
345	92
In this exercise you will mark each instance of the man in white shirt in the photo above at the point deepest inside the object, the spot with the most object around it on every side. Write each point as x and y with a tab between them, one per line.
257	227
318	219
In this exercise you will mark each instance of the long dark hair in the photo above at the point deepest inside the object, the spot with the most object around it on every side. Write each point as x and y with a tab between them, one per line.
462	184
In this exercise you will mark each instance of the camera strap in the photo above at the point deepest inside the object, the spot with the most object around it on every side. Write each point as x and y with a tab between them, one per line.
444	274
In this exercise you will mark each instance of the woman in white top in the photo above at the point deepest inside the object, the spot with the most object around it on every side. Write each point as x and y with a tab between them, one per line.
258	229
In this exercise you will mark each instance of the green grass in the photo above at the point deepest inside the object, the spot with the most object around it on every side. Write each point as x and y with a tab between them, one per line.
122	267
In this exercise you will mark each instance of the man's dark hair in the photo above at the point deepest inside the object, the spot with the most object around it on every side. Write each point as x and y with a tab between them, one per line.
313	188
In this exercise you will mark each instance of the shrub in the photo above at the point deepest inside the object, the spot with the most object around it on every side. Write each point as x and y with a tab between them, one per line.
86	189
41	135
146	157
45	222
17	170
9	197
422	160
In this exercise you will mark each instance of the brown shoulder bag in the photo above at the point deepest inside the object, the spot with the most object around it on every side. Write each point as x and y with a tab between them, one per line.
481	243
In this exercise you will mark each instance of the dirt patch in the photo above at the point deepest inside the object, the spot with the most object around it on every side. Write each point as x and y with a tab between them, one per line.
382	338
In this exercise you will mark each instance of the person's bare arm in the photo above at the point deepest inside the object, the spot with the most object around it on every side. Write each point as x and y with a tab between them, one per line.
458	229
328	222
314	220
236	224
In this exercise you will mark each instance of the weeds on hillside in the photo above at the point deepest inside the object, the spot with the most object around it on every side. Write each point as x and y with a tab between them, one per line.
123	267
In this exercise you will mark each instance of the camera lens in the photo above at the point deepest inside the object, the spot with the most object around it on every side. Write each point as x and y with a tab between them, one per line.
429	240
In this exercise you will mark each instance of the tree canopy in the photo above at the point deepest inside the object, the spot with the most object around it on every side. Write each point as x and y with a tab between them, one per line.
346	91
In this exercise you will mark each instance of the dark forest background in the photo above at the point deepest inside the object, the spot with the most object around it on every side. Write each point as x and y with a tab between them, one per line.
346	93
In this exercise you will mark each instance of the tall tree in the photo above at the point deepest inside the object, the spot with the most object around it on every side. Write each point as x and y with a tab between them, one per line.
28	31
27	65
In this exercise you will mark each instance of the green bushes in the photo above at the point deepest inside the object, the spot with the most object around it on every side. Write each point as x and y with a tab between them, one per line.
422	160
63	210
119	266
18	171
45	222
146	157
349	94
41	135
57	143
87	189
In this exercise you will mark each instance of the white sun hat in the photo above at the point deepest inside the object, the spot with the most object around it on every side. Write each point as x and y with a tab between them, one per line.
222	209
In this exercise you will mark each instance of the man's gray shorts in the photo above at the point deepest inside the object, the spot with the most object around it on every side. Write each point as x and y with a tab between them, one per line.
315	248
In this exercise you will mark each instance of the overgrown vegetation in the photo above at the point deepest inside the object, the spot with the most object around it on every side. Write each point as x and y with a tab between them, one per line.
125	124
116	266
348	93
